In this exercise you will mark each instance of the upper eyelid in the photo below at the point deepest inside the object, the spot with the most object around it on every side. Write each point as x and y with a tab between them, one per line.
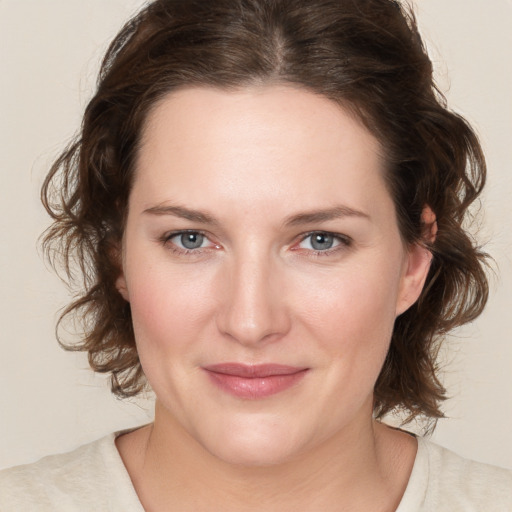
297	239
166	238
171	234
301	236
340	236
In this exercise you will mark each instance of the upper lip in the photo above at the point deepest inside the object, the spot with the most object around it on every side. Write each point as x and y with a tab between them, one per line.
249	371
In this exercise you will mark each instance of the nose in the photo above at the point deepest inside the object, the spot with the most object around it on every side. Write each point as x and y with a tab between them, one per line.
253	309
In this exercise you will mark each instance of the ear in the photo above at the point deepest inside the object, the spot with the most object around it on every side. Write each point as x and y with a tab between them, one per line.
417	264
116	254
429	223
121	287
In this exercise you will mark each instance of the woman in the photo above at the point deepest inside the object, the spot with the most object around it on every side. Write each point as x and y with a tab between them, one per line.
267	201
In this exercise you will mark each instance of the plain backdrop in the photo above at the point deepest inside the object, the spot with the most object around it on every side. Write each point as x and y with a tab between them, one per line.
49	54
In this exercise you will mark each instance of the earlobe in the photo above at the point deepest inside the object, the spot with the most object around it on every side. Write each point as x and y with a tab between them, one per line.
417	264
122	288
116	256
414	277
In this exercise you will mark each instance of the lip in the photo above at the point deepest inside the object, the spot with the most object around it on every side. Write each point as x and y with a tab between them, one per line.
254	382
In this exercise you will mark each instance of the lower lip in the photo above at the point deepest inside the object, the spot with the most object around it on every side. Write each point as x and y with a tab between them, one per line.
254	388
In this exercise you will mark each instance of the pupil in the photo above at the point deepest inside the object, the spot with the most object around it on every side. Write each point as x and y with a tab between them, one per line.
321	241
192	240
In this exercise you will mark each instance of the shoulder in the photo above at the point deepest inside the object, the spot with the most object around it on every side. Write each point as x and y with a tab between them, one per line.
444	481
91	477
458	471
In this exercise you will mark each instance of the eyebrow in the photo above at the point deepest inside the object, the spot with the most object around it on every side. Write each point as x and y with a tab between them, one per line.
310	217
183	213
324	215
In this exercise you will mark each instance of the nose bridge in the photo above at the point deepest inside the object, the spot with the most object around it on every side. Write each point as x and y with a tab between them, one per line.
253	309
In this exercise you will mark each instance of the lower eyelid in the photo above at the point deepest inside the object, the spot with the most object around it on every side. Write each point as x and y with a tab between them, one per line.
166	239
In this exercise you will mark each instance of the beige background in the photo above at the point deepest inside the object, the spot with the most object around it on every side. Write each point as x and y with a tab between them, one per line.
49	53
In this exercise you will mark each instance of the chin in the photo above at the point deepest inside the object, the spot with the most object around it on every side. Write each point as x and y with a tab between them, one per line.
258	445
253	455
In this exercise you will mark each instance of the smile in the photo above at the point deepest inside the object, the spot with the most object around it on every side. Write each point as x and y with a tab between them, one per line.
253	382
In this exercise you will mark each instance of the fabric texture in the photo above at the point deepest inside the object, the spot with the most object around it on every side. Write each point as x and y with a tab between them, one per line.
94	478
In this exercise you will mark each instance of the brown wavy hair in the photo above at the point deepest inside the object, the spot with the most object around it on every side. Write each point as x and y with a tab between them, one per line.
366	55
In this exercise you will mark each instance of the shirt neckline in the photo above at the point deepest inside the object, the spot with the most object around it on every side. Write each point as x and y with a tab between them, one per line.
413	498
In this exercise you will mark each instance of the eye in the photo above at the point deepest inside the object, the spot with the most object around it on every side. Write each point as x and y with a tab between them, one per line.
191	240
320	241
187	241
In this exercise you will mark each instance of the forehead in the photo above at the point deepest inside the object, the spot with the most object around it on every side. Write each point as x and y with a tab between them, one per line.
264	145
257	109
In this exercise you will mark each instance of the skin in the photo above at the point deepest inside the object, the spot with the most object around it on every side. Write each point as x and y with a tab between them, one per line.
257	291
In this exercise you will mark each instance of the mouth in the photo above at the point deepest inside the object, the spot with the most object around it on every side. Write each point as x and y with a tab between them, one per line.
253	382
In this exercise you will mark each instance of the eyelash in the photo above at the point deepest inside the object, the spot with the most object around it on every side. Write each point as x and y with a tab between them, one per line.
344	243
166	242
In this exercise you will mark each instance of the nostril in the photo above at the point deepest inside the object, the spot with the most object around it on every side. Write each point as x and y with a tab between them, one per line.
252	310
253	321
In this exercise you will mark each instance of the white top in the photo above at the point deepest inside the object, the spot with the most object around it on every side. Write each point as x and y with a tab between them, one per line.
94	478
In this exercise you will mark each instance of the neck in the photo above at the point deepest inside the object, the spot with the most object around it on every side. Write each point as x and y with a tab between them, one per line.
354	470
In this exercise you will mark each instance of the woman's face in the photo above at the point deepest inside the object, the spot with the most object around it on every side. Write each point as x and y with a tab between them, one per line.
264	268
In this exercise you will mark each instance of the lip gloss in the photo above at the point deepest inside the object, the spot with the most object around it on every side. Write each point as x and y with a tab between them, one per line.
254	382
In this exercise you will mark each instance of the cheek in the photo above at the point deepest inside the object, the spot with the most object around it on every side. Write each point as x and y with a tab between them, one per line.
351	296
351	313
169	306
169	317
